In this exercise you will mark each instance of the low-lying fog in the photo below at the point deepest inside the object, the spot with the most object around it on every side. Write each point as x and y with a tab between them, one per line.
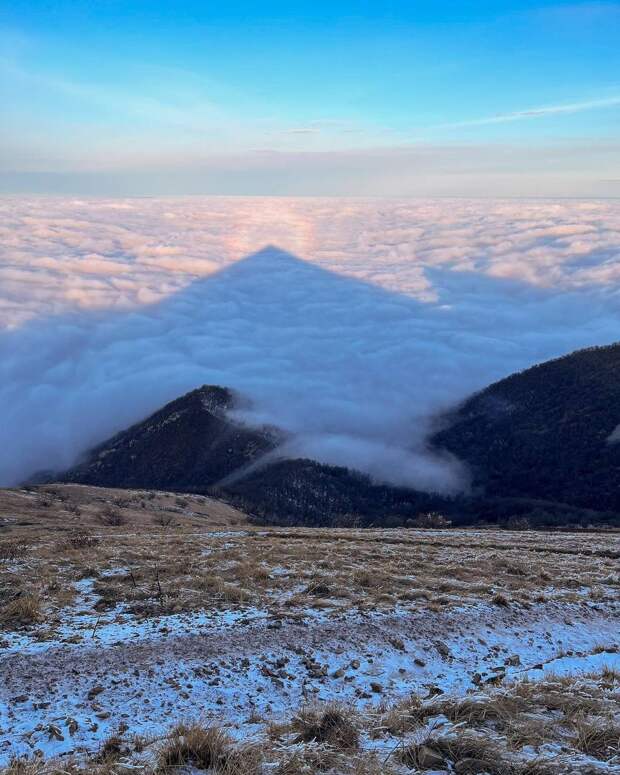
359	322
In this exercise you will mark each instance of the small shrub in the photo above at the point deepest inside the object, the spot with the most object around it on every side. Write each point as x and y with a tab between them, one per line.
208	748
14	550
111	517
404	717
500	599
332	725
24	767
163	520
82	540
457	749
318	588
112	749
25	609
365	579
597	738
429	520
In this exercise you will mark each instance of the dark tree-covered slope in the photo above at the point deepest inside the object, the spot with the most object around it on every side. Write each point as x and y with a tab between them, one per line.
304	492
193	445
547	432
189	444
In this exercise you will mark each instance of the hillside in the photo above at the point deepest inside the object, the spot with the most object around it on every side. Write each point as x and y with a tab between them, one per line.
547	432
112	631
540	445
187	445
193	445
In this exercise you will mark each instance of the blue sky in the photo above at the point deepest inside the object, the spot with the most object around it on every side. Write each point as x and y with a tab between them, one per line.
310	97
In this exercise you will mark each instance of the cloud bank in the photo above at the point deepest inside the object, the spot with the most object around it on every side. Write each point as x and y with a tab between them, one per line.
365	320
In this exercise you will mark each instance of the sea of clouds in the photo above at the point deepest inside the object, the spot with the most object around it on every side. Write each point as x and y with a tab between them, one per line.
349	323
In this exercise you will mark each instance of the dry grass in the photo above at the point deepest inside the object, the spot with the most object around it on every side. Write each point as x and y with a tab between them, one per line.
23	610
173	560
334	725
208	748
413	735
466	754
172	554
598	738
320	759
401	718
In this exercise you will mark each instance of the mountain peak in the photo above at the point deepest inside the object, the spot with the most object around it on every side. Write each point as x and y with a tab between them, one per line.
189	444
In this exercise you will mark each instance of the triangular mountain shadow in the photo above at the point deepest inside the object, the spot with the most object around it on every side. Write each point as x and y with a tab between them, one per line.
308	345
271	327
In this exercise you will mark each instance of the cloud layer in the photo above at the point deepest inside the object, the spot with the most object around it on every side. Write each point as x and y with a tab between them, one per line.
379	315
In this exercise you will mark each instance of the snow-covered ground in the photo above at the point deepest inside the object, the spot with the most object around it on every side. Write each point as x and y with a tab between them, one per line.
126	631
59	696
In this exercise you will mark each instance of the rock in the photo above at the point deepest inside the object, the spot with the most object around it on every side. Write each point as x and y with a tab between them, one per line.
471	766
54	733
433	690
94	692
428	758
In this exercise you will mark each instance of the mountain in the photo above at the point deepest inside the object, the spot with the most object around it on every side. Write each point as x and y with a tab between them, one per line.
188	445
193	445
551	432
542	445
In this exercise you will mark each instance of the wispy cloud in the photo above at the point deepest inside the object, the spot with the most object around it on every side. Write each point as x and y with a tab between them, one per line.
546	110
302	130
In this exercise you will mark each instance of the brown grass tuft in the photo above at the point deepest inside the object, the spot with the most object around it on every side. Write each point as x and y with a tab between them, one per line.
334	725
597	738
208	748
25	609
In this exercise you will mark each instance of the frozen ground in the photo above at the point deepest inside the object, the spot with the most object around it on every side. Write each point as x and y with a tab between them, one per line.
122	631
229	667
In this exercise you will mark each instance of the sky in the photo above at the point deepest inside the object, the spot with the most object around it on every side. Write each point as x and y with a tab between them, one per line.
400	98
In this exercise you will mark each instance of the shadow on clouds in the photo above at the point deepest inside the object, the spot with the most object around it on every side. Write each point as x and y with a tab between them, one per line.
355	373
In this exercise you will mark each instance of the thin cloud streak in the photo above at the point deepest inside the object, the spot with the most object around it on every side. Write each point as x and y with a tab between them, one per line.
548	110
